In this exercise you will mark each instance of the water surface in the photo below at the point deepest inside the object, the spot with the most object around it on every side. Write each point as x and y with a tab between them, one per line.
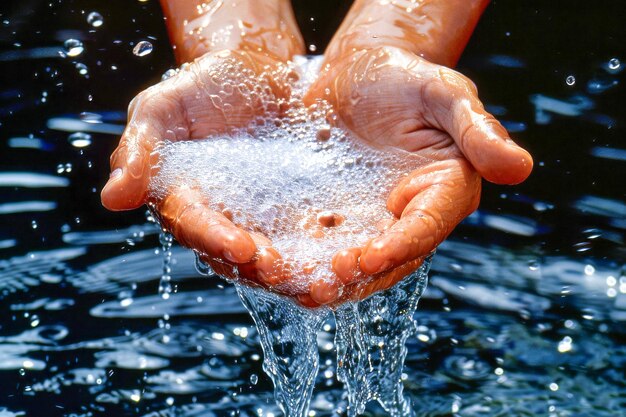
525	309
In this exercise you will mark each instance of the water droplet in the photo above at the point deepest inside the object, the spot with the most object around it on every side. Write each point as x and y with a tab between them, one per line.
169	401
34	321
614	64
565	345
82	69
73	47
312	48
570	80
95	19
168	74
22	371
33	224
143	48
254	378
79	139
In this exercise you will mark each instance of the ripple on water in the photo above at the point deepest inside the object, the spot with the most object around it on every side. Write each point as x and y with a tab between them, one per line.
209	302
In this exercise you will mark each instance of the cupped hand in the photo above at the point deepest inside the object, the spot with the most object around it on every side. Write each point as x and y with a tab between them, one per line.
391	97
215	94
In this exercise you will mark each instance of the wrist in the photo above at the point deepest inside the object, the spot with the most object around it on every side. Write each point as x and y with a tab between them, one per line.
436	30
260	26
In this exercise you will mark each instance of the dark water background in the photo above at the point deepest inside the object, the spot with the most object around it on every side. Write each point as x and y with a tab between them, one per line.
525	312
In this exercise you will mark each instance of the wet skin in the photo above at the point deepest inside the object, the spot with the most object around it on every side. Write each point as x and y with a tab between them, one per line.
385	95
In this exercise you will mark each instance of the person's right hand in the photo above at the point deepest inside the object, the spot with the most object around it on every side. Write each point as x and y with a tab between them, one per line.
391	98
217	93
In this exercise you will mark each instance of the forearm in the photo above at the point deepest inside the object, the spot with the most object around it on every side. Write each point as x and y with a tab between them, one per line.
437	30
199	26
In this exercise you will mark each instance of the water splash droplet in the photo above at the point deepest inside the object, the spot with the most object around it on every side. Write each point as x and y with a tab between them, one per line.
73	47
570	80
95	19
143	48
82	69
168	74
614	64
79	139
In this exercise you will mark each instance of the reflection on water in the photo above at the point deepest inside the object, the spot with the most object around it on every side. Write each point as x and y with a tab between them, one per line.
524	313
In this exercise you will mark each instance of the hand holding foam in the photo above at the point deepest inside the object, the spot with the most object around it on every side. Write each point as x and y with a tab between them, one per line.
390	97
217	93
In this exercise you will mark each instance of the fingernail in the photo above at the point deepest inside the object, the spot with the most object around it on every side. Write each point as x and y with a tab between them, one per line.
115	174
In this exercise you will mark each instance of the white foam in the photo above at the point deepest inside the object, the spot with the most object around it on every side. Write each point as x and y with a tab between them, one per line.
276	180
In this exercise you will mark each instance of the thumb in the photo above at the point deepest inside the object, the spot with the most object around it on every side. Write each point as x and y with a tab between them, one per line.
127	186
453	101
132	161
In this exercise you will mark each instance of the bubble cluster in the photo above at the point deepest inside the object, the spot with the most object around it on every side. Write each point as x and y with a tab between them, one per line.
312	189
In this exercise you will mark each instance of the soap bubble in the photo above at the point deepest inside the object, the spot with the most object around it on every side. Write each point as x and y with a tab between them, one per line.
570	80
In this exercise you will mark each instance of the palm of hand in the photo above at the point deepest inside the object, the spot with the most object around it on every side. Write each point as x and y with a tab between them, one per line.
390	97
217	93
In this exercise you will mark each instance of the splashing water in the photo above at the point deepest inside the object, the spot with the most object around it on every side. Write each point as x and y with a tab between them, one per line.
165	284
370	340
142	48
73	47
371	344
288	334
95	19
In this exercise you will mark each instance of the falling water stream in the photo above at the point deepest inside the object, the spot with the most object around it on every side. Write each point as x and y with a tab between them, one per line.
370	339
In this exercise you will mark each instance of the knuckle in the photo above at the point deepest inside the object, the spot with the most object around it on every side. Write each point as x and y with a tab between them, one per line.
455	78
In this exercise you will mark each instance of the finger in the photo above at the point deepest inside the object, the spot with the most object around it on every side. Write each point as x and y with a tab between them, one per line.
271	268
221	268
131	163
345	265
418	181
383	281
452	102
431	214
324	291
307	301
194	224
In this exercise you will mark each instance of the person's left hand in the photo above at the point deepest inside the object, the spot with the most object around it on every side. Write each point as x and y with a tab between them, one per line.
390	97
